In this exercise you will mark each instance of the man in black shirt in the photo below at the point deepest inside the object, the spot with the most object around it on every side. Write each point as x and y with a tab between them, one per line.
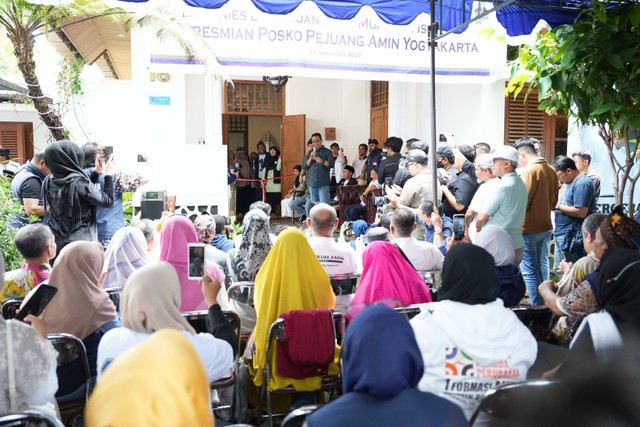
389	166
27	184
374	158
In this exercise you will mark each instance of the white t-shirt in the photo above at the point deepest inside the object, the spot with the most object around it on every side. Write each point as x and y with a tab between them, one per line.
470	349
358	166
476	203
216	354
335	258
424	256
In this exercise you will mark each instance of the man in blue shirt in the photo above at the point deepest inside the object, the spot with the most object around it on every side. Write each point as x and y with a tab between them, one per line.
437	229
220	240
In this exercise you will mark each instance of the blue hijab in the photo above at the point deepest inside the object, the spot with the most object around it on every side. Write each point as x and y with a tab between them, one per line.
380	356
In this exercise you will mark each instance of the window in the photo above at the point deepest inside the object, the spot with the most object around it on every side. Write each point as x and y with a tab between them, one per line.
254	98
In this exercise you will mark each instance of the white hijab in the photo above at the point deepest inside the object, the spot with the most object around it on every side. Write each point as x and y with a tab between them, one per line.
126	253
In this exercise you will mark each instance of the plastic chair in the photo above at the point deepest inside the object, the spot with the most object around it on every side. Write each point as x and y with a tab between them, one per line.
10	308
28	418
71	350
539	320
505	402
297	417
199	320
114	294
277	334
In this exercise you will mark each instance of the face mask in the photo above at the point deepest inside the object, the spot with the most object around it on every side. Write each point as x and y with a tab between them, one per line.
439	165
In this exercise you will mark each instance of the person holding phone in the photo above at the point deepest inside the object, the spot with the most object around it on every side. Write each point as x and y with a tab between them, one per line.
389	166
72	196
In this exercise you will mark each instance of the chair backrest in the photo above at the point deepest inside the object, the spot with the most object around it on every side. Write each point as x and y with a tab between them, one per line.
10	308
199	320
344	284
71	349
410	311
506	401
297	417
29	418
241	292
114	294
539	320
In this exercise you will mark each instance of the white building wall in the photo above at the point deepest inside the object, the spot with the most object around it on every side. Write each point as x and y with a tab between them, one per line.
26	114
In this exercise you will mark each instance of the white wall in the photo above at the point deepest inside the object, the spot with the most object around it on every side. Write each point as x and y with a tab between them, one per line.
25	114
343	104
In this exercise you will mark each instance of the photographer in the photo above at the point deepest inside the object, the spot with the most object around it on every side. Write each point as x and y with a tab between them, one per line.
418	187
220	240
389	166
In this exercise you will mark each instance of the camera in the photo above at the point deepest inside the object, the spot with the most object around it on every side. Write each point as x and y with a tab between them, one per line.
348	229
380	201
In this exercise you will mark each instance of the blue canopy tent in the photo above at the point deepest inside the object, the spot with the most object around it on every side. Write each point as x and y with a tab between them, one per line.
518	17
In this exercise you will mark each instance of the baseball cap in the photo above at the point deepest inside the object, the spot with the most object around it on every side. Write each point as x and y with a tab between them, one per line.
446	152
417	156
484	160
506	152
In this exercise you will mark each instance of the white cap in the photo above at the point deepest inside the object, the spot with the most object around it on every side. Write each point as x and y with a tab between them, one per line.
506	152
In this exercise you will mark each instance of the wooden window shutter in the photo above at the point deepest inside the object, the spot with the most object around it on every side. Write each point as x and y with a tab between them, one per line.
523	119
16	137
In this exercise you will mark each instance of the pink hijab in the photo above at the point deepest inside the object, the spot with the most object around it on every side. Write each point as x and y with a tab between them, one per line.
387	275
177	233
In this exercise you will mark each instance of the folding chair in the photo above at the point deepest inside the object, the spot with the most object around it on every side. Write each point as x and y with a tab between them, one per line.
539	320
28	418
329	383
409	312
505	402
114	294
297	417
10	308
71	350
199	320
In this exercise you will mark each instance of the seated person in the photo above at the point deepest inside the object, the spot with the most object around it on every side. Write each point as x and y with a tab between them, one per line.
264	207
150	302
291	278
205	226
347	179
497	242
382	366
80	308
358	211
127	251
469	341
423	256
220	240
37	245
159	382
286	204
436	228
388	275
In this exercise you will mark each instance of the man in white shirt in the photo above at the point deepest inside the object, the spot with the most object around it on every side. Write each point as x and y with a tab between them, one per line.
335	258
360	164
483	164
424	256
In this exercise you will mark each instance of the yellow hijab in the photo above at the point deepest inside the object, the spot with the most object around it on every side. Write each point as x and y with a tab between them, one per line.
291	278
160	382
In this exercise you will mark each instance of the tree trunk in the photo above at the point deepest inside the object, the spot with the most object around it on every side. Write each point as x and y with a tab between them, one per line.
23	42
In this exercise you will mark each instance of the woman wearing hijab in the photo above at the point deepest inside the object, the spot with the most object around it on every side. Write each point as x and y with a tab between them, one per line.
33	360
273	166
469	341
381	368
386	274
177	232
80	307
127	252
245	262
150	302
71	197
205	230
497	242
297	191
161	382
291	278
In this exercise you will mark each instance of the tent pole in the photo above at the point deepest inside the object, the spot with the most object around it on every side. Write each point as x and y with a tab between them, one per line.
432	150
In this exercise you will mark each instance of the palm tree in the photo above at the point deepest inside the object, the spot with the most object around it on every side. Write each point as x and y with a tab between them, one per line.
24	21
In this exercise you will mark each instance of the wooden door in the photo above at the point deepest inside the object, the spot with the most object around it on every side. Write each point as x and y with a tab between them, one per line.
17	137
293	146
379	124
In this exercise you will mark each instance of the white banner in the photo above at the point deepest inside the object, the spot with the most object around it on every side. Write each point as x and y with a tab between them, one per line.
307	43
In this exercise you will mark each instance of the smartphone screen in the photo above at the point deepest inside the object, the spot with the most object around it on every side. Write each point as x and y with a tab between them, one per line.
196	261
388	181
37	302
458	227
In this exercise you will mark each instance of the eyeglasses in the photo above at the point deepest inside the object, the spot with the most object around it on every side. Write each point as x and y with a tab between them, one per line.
409	164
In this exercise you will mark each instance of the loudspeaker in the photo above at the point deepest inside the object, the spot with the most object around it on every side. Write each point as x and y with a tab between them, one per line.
152	204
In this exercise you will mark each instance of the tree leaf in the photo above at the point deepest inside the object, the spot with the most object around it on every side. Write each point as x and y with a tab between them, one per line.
605	108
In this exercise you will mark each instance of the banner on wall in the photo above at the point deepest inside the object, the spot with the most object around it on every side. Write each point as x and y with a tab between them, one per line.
308	43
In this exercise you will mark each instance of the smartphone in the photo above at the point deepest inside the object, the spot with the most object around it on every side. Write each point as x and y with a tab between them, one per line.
38	301
104	153
196	261
388	181
458	227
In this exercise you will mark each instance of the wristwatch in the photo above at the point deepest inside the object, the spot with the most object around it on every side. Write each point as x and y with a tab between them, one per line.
437	230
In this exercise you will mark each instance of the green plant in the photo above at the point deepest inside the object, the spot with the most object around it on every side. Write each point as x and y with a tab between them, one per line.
127	207
9	208
591	70
68	81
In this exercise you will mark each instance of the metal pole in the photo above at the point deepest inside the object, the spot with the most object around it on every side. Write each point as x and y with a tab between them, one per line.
432	150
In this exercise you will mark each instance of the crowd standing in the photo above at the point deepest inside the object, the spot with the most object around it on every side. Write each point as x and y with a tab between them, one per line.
464	341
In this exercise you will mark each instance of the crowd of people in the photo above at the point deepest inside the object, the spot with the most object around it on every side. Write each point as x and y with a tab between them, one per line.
464	341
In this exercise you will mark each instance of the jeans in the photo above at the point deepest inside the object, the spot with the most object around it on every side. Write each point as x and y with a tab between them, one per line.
535	264
559	255
354	212
319	194
297	205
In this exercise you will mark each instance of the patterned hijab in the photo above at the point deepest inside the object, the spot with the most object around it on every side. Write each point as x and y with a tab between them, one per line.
81	305
127	252
205	227
160	382
246	261
151	300
620	231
